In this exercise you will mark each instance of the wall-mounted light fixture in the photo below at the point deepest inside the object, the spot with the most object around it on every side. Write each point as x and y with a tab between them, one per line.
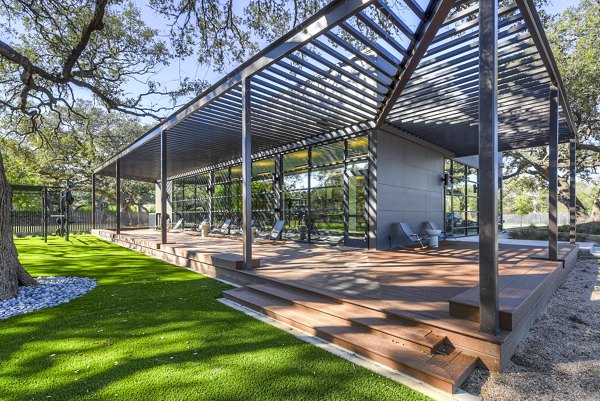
446	181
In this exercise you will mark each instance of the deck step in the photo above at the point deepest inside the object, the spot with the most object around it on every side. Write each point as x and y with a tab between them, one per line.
445	371
376	322
517	292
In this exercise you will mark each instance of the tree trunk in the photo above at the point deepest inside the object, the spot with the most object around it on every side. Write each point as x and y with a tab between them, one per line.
596	209
12	274
563	197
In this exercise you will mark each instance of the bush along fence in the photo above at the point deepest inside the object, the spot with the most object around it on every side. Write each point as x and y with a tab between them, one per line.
25	222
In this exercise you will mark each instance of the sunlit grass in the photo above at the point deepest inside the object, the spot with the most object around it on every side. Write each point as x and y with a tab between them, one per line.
152	331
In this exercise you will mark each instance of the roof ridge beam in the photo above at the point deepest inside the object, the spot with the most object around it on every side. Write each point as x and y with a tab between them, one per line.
431	23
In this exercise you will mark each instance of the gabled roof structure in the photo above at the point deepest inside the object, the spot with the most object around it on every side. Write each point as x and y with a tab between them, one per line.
411	66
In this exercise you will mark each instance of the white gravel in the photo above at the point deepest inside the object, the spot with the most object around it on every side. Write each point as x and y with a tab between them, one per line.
560	359
51	291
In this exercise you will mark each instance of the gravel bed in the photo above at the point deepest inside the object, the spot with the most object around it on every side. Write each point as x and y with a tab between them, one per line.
560	359
51	291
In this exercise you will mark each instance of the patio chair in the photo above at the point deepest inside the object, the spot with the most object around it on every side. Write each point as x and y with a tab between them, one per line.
445	236
224	230
275	233
411	235
178	225
198	230
237	231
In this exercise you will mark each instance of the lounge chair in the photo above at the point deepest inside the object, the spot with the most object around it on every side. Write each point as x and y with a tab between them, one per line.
198	230
412	236
275	233
178	225
445	236
224	230
202	224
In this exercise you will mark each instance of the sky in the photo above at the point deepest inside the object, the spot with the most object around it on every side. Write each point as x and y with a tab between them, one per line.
559	6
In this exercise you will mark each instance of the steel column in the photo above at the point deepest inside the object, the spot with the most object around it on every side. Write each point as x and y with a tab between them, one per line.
94	201
307	216
278	187
488	166
45	213
211	190
163	187
246	173
372	192
553	176
118	194
346	201
572	191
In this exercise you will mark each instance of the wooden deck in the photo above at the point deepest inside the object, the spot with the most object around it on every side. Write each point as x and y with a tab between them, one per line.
422	305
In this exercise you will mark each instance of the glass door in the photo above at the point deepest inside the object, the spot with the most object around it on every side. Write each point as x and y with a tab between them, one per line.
355	233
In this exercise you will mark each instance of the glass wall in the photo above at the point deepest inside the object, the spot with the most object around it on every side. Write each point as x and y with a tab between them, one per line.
322	195
263	193
462	199
191	199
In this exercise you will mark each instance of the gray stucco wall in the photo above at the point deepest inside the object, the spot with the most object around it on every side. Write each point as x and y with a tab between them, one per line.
409	187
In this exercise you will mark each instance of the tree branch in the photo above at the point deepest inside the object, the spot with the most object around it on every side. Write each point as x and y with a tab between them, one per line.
96	24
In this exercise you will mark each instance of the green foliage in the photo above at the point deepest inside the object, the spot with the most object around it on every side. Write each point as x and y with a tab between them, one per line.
575	36
221	33
152	331
523	205
589	231
89	137
51	51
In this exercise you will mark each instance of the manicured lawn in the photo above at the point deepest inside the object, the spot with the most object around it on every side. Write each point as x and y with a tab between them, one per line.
152	331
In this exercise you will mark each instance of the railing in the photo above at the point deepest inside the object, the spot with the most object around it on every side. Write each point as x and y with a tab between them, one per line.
31	222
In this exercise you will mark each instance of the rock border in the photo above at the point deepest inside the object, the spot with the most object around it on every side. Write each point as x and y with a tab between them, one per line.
49	292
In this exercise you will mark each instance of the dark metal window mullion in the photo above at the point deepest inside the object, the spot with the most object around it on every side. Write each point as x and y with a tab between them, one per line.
308	200
346	194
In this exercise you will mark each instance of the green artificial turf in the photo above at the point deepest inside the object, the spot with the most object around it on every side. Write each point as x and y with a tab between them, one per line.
153	331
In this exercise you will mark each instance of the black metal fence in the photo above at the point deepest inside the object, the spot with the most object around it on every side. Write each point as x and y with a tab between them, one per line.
25	222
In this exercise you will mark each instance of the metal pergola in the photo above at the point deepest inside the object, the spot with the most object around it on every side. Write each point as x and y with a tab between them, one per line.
467	77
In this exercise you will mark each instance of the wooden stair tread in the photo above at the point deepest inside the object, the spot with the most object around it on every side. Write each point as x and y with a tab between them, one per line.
517	292
508	286
372	319
444	371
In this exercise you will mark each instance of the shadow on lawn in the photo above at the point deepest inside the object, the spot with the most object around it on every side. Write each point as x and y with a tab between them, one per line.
154	331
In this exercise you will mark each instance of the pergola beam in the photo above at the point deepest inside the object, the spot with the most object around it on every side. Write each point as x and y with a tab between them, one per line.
532	18
424	36
488	167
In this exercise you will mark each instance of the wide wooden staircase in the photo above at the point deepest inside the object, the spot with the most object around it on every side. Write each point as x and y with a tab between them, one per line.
417	351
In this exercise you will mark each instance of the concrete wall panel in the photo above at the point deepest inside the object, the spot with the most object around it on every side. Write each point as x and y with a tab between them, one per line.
409	187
